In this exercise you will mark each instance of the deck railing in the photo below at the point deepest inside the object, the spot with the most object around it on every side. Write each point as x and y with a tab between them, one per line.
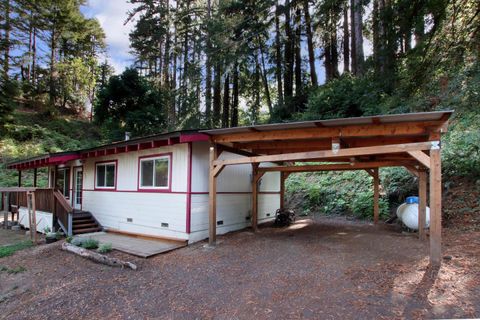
47	200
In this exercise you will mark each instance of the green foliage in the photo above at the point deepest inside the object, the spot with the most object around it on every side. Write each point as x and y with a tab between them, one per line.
69	239
15	270
130	103
335	193
104	248
346	96
89	243
8	250
77	241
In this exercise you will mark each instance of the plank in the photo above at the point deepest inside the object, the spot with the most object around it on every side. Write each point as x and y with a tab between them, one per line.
421	157
348	152
391	129
255	178
435	207
212	199
422	205
376	195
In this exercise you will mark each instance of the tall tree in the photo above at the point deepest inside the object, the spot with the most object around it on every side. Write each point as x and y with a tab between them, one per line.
311	49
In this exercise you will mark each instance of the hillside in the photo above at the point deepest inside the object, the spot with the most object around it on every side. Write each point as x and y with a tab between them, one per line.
30	134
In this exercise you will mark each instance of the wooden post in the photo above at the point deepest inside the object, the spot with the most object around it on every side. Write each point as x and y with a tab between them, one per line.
34	219
435	206
376	195
212	198
422	205
29	210
5	205
35	177
283	177
255	179
19	178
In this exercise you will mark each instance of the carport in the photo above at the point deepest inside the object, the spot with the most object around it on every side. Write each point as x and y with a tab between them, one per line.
409	140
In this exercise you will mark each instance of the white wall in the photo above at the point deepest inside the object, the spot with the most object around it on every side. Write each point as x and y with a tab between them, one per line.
147	210
234	198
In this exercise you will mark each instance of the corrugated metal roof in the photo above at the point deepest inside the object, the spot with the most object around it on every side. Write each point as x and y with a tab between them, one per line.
393	118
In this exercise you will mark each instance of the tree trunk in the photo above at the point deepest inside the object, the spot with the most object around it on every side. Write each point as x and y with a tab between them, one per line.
34	56
166	57
278	57
346	40
353	37
376	36
358	26
97	257
6	40
311	49
226	102
53	48
265	80
298	54
289	57
256	105
208	80
234	122
216	95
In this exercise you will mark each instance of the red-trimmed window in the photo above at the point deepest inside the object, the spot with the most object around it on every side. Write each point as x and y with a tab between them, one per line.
105	175
154	172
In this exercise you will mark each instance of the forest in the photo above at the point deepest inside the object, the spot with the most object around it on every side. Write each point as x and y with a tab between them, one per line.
206	64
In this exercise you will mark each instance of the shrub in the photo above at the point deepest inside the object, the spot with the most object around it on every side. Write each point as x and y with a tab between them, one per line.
104	248
89	244
77	241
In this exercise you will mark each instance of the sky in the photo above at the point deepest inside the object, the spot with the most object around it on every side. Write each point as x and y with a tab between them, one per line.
112	14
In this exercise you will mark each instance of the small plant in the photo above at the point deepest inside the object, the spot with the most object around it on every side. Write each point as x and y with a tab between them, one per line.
69	239
12	248
77	241
47	230
104	248
15	270
90	244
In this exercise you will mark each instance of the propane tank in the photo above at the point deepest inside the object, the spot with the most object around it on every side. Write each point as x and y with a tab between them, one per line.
408	213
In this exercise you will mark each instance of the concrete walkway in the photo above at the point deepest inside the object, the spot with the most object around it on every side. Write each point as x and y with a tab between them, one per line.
137	246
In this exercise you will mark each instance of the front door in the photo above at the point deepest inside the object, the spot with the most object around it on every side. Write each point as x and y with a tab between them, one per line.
77	188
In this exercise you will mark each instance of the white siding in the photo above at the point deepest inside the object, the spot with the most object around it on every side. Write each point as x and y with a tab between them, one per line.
234	199
147	210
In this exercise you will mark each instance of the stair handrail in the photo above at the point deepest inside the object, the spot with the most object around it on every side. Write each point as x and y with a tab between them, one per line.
65	222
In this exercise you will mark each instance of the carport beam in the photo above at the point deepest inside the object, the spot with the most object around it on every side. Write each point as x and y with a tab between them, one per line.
255	178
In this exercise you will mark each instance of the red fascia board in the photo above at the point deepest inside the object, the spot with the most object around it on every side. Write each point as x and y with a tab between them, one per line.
120	149
110	151
173	140
145	145
194	137
132	147
160	143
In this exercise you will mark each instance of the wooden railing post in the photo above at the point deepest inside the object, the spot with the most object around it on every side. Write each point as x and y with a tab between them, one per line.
70	224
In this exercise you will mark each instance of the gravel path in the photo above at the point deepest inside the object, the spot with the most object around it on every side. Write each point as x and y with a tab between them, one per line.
328	269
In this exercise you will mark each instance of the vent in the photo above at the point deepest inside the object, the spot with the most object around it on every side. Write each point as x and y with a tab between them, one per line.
164	225
219	223
129	220
247	218
268	214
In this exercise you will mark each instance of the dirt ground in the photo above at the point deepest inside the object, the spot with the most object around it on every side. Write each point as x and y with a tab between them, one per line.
331	268
11	237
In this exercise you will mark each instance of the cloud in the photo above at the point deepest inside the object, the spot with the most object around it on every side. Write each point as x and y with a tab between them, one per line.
111	15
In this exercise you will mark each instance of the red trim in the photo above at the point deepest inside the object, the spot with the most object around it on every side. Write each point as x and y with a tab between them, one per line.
189	188
115	178
170	160
194	137
179	192
74	183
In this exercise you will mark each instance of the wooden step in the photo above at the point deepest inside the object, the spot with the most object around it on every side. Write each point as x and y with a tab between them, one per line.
84	220
84	225
87	230
82	216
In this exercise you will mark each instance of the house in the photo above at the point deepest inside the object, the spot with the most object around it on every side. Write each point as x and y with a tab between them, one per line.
192	185
153	186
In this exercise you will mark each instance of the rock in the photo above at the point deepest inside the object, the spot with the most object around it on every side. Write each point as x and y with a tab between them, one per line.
447	257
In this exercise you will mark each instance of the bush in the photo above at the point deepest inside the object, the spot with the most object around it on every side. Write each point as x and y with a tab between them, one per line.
104	248
77	241
89	244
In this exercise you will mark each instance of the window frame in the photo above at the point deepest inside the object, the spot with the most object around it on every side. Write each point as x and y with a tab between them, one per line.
141	159
104	163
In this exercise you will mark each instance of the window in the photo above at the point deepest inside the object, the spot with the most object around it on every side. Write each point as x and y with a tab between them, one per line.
155	172
105	175
63	181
